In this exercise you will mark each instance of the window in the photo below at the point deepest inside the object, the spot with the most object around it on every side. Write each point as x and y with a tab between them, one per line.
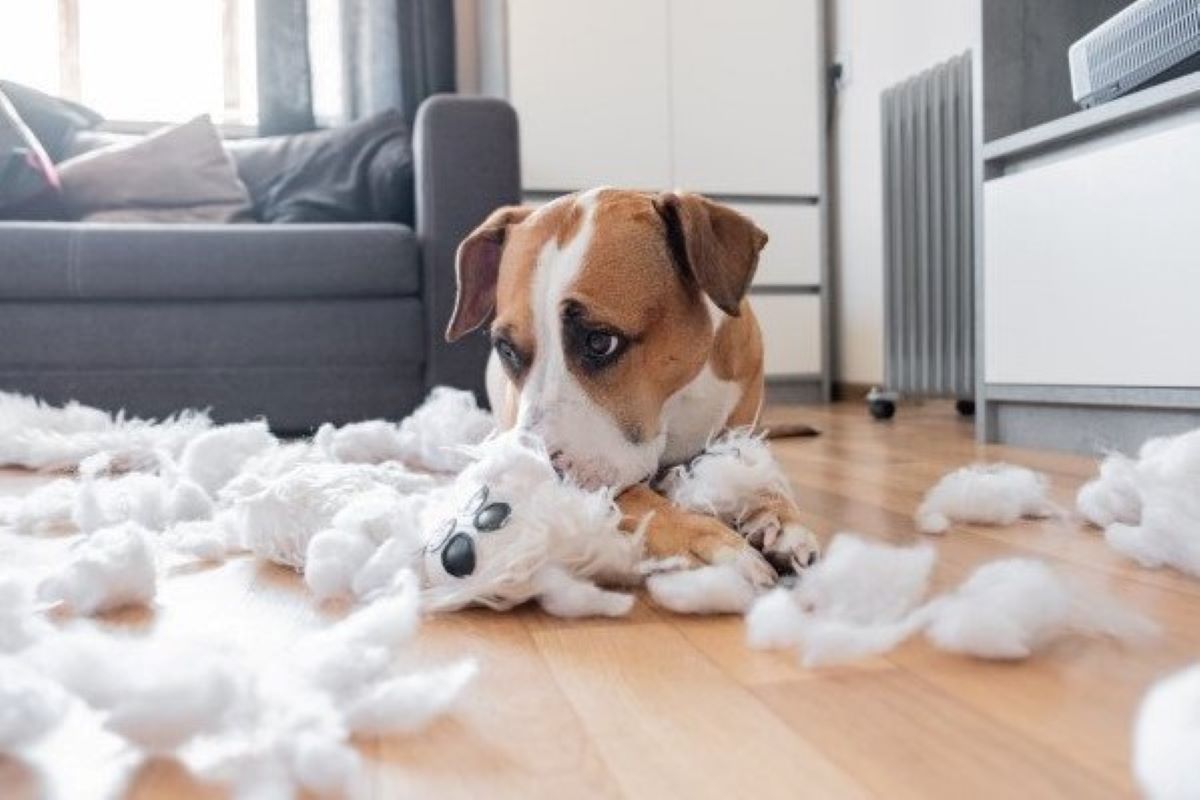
136	60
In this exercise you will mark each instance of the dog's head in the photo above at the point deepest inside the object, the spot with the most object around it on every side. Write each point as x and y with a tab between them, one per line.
605	307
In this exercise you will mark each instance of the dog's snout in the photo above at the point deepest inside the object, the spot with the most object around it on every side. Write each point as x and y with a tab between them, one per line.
458	557
560	462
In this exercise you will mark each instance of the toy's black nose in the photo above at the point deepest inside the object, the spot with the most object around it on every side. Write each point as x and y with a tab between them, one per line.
459	556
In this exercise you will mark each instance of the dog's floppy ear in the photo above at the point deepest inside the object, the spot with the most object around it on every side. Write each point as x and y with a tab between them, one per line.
714	244
477	266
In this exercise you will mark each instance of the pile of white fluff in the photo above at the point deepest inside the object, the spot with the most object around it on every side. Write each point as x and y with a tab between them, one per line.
267	728
987	494
1149	507
354	508
1166	738
864	598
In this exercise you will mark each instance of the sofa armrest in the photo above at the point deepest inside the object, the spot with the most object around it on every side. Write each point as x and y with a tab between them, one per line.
466	152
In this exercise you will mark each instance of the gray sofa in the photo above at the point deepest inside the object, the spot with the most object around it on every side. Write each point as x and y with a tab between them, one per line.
301	324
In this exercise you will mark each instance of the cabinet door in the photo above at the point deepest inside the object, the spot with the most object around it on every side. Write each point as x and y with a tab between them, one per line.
745	94
791	329
1091	265
589	82
792	256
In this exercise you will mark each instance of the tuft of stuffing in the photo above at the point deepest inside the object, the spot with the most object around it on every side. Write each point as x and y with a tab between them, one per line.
1166	738
1009	608
215	457
30	705
19	625
725	480
157	693
46	511
563	595
862	600
715	589
113	567
986	494
436	436
38	435
1150	508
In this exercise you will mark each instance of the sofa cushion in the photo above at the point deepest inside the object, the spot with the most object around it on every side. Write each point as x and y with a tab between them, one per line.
29	184
54	121
51	261
176	174
362	172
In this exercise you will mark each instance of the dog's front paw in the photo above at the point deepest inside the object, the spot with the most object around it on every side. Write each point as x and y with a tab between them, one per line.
788	546
715	543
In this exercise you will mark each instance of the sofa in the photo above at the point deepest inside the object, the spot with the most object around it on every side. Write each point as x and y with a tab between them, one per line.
301	323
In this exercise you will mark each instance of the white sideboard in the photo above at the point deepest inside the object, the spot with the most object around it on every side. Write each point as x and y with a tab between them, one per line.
720	98
1091	274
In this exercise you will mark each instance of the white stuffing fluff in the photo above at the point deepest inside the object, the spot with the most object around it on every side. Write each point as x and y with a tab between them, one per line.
1009	608
30	705
38	435
157	693
862	600
987	494
716	589
563	595
436	435
113	567
215	457
19	624
1150	508
1166	738
46	511
726	479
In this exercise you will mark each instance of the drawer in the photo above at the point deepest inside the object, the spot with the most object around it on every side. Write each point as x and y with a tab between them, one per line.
792	256
791	327
1091	265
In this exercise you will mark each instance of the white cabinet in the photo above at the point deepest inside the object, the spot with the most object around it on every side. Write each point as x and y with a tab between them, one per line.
745	96
589	81
1092	271
792	256
791	326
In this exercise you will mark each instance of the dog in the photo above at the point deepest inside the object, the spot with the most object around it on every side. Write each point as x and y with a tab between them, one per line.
622	337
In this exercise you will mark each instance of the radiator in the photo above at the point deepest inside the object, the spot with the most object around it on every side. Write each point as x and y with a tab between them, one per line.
929	233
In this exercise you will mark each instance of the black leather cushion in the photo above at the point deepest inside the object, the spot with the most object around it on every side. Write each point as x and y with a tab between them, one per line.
29	186
362	172
53	121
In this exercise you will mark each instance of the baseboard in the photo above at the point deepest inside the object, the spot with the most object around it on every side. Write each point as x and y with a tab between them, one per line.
790	391
846	390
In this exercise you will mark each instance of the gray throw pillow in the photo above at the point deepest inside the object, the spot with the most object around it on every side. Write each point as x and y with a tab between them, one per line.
177	174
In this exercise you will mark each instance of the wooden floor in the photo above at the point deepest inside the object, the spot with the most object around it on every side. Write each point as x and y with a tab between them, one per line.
665	706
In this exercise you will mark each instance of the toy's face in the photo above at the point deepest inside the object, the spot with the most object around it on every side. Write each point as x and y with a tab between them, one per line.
462	542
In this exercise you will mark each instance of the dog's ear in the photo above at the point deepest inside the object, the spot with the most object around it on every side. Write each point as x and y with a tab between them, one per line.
715	245
477	266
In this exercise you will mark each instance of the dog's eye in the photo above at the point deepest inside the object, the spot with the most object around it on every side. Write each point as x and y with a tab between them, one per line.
509	355
601	344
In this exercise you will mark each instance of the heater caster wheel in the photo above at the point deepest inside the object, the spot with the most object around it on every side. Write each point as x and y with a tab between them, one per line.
881	408
965	408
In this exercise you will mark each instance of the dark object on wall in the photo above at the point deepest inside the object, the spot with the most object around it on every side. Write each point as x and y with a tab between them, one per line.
929	244
1149	42
394	54
29	185
54	121
360	173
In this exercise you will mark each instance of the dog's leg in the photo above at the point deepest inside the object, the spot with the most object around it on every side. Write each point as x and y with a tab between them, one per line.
772	525
671	532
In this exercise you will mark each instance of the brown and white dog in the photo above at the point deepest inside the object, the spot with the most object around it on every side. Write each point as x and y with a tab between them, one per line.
622	337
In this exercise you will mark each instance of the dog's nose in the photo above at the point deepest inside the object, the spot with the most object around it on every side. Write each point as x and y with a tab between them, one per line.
458	557
559	461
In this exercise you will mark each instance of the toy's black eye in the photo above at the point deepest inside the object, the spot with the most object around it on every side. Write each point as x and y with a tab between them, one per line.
492	517
477	500
601	345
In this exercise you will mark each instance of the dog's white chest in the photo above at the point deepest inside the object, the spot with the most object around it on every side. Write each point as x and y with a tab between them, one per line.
693	414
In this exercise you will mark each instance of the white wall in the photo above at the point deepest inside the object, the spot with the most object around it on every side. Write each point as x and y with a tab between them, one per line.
883	41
